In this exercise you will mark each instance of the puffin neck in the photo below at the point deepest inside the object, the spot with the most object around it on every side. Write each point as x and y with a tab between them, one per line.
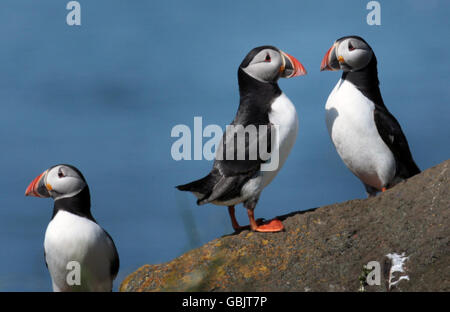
255	92
79	204
366	81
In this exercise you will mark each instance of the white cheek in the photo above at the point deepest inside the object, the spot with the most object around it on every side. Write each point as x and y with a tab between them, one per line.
358	59
260	71
264	71
66	185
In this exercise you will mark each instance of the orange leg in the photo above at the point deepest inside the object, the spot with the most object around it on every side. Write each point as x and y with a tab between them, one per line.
234	222
274	225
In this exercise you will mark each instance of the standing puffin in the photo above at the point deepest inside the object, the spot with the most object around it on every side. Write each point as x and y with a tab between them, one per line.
366	135
73	234
262	103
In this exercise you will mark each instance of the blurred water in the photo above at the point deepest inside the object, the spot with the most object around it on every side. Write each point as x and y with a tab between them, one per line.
104	97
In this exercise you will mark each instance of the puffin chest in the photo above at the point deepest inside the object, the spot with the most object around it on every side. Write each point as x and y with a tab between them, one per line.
351	125
283	117
73	238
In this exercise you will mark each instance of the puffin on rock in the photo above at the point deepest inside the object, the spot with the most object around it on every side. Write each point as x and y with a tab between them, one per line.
366	135
240	180
73	234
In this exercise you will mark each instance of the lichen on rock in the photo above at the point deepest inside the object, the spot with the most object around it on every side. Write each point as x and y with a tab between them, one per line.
325	249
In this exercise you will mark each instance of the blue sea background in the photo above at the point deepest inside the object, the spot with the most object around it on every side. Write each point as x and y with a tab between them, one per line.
105	95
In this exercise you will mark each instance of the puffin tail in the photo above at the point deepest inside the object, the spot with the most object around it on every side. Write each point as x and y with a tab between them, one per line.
195	186
201	188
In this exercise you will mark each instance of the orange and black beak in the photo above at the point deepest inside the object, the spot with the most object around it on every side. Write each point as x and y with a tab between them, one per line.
330	61
291	66
37	187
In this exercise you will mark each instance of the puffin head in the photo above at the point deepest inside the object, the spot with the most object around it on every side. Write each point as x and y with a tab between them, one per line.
60	181
268	64
351	53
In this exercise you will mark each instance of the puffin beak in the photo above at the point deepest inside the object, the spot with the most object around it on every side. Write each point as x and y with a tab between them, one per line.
291	66
330	61
37	187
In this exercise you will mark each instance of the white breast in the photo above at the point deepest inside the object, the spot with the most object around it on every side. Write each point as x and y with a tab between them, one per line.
73	238
284	115
351	125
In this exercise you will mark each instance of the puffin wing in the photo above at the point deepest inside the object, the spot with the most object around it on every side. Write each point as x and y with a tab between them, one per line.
233	165
244	163
241	148
114	260
392	135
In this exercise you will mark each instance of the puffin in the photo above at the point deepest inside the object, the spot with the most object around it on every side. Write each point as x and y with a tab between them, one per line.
73	235
264	107
367	137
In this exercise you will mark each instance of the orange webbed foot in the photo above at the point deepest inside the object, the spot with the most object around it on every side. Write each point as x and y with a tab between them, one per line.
274	225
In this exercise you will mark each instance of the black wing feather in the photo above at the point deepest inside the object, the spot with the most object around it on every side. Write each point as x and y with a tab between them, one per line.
392	134
115	261
227	177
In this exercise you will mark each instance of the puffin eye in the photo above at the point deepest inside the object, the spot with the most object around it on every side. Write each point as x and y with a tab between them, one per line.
267	59
60	173
350	46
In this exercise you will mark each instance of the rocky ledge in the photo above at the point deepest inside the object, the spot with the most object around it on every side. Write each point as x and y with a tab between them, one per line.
398	239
